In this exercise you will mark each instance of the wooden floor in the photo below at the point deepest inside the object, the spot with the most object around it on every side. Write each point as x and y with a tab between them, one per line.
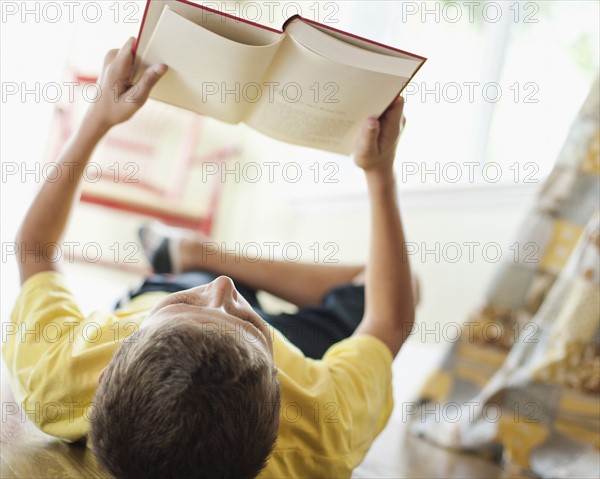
28	453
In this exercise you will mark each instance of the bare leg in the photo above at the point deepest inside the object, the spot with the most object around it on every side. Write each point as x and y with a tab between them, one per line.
299	283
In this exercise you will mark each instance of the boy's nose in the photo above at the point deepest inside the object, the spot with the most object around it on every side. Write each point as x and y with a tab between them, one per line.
224	290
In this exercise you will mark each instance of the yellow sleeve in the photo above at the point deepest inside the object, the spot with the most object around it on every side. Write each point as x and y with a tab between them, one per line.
360	368
51	383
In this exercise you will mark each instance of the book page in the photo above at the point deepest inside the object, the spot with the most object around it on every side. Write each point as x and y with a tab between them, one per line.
363	44
237	30
316	102
208	73
350	51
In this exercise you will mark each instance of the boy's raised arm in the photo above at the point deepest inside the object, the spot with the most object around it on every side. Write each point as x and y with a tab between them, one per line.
389	303
47	217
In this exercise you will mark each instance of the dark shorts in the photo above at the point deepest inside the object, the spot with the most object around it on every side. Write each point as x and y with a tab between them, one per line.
312	329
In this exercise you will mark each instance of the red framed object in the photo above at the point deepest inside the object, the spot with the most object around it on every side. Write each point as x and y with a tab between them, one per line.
164	196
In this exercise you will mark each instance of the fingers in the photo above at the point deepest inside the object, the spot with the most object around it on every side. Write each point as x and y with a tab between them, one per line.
368	140
122	61
391	119
110	56
127	49
149	79
108	59
393	113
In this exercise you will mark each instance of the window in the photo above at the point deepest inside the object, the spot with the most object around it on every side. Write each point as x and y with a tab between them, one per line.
495	100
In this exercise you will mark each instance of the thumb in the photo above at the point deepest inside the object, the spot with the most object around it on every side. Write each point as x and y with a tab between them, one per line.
149	79
368	140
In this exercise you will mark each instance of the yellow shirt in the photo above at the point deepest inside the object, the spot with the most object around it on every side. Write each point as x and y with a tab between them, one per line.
331	411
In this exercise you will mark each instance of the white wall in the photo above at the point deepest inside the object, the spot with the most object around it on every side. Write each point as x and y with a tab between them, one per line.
442	219
36	51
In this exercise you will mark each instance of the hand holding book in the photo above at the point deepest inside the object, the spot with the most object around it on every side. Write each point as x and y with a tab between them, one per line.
376	145
120	99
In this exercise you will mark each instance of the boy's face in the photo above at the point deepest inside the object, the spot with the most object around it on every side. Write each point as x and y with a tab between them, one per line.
216	306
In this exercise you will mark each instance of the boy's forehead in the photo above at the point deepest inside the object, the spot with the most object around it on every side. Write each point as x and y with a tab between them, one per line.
206	321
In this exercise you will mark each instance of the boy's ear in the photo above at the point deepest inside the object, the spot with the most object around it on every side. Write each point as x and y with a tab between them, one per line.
101	375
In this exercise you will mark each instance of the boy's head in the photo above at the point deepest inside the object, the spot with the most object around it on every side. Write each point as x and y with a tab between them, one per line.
193	393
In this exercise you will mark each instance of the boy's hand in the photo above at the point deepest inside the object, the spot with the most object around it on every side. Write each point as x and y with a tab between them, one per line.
376	146
120	99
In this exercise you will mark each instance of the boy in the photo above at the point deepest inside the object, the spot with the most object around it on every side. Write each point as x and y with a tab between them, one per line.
201	386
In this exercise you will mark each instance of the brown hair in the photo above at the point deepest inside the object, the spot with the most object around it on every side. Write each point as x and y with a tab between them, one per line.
176	401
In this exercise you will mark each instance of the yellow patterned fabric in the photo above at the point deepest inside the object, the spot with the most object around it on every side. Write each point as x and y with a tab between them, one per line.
526	371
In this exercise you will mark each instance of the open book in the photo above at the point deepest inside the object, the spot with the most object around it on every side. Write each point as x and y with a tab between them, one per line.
309	84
